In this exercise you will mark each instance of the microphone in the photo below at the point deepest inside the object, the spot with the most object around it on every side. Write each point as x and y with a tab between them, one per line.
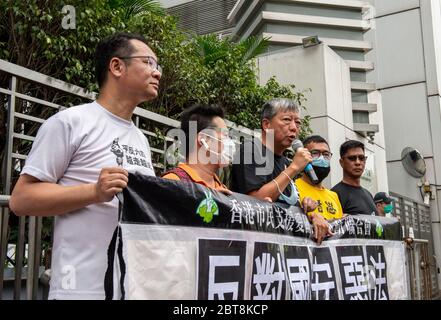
309	170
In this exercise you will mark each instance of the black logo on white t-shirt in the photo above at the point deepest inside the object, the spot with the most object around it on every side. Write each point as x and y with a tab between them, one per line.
118	151
133	156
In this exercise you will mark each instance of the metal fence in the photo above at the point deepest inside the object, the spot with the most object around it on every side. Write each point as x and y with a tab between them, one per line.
20	259
416	223
419	265
24	246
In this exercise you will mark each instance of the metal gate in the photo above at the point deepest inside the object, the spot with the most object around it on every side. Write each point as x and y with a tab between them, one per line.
419	266
417	230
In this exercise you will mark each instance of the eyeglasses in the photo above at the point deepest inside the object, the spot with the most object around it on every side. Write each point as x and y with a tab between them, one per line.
361	158
326	154
149	60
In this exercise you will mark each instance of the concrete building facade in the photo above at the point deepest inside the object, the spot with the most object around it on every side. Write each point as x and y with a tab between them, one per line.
406	37
339	24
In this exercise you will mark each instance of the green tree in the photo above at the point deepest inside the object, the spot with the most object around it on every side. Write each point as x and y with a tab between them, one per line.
201	69
134	8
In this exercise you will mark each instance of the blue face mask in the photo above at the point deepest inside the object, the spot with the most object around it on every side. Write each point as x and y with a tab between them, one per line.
293	198
321	162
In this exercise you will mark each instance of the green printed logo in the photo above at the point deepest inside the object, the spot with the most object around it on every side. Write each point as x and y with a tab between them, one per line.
207	208
379	228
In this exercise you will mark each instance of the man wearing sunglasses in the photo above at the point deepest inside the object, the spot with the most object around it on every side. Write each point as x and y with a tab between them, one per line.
328	203
80	160
353	197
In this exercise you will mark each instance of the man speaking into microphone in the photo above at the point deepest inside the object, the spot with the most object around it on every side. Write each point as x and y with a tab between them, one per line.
280	123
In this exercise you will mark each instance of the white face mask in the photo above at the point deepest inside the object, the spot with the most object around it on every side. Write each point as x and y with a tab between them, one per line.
228	151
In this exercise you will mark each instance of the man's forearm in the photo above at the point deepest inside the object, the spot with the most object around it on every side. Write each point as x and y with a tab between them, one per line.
271	189
49	199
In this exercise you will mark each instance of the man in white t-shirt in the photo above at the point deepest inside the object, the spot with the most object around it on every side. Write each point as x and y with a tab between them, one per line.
80	160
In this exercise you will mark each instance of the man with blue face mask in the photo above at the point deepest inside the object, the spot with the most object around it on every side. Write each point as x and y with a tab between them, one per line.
328	204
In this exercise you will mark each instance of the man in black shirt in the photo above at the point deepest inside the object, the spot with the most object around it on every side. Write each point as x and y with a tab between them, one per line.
353	197
261	170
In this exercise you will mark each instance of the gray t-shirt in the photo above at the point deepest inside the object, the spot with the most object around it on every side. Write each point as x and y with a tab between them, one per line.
70	149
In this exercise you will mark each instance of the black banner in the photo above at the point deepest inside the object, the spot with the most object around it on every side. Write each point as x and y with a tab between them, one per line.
298	269
377	273
323	284
193	205
221	269
268	277
182	240
352	272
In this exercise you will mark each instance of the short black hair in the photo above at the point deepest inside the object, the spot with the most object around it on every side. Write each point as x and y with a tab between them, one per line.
315	139
350	144
116	45
203	115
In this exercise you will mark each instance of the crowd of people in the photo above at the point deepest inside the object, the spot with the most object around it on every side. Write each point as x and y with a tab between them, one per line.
75	169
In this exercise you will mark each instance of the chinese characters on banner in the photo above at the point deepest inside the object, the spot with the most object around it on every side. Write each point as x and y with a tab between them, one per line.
323	285
268	280
249	248
282	272
221	266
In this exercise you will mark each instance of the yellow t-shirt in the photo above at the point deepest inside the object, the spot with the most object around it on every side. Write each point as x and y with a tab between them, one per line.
328	203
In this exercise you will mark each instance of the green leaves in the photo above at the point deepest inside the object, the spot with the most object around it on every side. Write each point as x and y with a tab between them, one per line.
133	8
138	7
210	49
252	47
197	69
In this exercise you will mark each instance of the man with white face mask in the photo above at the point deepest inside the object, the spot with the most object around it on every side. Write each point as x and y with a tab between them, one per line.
208	147
328	202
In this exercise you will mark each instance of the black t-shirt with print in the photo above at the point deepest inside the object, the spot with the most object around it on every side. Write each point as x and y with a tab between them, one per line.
256	171
355	200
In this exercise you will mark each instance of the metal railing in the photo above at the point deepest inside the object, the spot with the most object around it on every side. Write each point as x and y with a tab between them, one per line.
419	263
416	224
4	211
22	126
23	262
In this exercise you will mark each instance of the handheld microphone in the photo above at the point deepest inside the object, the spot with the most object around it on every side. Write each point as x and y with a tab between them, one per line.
309	170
